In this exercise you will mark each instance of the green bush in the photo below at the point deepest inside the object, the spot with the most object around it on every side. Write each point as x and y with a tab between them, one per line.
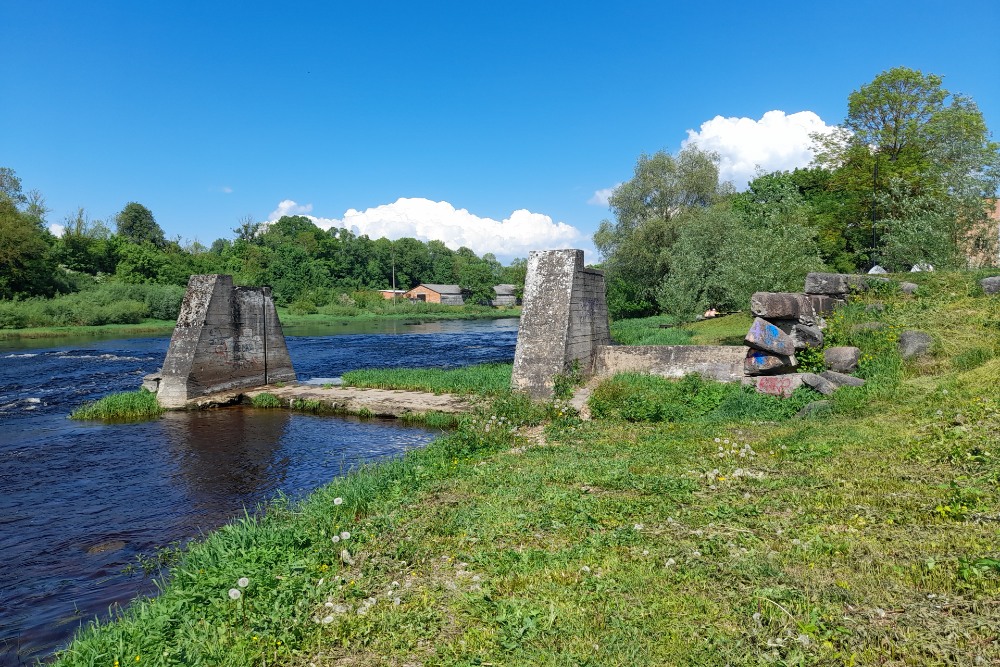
265	400
302	307
12	315
126	406
638	397
647	398
107	303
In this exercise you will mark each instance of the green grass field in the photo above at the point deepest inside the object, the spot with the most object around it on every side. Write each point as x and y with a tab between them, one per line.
484	380
866	536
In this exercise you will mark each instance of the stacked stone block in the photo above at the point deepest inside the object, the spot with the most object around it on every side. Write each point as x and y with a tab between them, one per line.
785	323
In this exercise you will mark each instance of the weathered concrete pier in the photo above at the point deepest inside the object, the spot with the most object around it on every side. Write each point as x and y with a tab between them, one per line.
564	323
226	338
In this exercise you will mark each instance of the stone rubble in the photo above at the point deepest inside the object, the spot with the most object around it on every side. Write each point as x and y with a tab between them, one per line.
787	322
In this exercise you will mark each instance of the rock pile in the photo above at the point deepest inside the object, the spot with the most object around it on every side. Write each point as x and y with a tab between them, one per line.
788	322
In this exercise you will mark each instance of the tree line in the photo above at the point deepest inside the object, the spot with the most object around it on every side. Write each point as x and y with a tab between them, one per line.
301	262
907	179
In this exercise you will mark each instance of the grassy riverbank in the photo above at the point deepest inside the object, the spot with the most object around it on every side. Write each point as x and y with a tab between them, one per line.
483	380
865	536
145	327
166	327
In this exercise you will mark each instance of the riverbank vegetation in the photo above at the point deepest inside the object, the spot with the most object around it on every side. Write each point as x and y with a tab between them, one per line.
909	178
47	280
482	380
121	407
863	535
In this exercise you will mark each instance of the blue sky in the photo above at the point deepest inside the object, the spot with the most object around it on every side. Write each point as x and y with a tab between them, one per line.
493	125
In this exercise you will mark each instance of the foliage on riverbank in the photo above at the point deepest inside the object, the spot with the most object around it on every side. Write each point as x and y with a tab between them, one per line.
867	536
484	379
123	407
289	321
108	303
406	311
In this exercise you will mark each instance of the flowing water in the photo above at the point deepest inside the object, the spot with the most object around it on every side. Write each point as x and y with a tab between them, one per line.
79	501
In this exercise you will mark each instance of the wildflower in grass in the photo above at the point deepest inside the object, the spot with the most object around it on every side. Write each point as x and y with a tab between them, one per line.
335	539
235	594
242	582
345	536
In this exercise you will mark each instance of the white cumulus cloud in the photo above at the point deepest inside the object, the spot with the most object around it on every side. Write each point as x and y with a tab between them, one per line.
57	229
776	142
289	207
430	220
601	196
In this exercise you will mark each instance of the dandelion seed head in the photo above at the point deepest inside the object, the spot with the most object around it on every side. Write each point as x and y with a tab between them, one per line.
335	539
235	594
345	535
338	501
242	582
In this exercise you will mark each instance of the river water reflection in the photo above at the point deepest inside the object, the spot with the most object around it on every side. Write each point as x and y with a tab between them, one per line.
79	501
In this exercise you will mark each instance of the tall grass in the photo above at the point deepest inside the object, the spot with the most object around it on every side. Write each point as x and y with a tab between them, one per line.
656	330
108	303
638	397
483	379
126	406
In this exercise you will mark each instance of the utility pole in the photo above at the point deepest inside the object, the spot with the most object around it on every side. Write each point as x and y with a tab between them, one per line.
874	209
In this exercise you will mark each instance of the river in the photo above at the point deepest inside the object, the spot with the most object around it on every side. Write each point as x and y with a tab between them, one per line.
80	501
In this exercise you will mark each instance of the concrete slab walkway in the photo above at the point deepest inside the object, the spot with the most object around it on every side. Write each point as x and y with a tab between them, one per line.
351	400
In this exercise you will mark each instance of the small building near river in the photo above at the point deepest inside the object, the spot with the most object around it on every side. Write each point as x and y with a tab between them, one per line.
448	295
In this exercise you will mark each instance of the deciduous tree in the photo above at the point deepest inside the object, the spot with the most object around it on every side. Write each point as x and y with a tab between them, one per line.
137	225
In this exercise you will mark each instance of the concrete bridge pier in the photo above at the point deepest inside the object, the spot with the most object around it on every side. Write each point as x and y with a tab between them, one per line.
226	338
564	320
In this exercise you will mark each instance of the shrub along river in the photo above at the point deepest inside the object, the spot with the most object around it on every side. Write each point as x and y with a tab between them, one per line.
80	501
